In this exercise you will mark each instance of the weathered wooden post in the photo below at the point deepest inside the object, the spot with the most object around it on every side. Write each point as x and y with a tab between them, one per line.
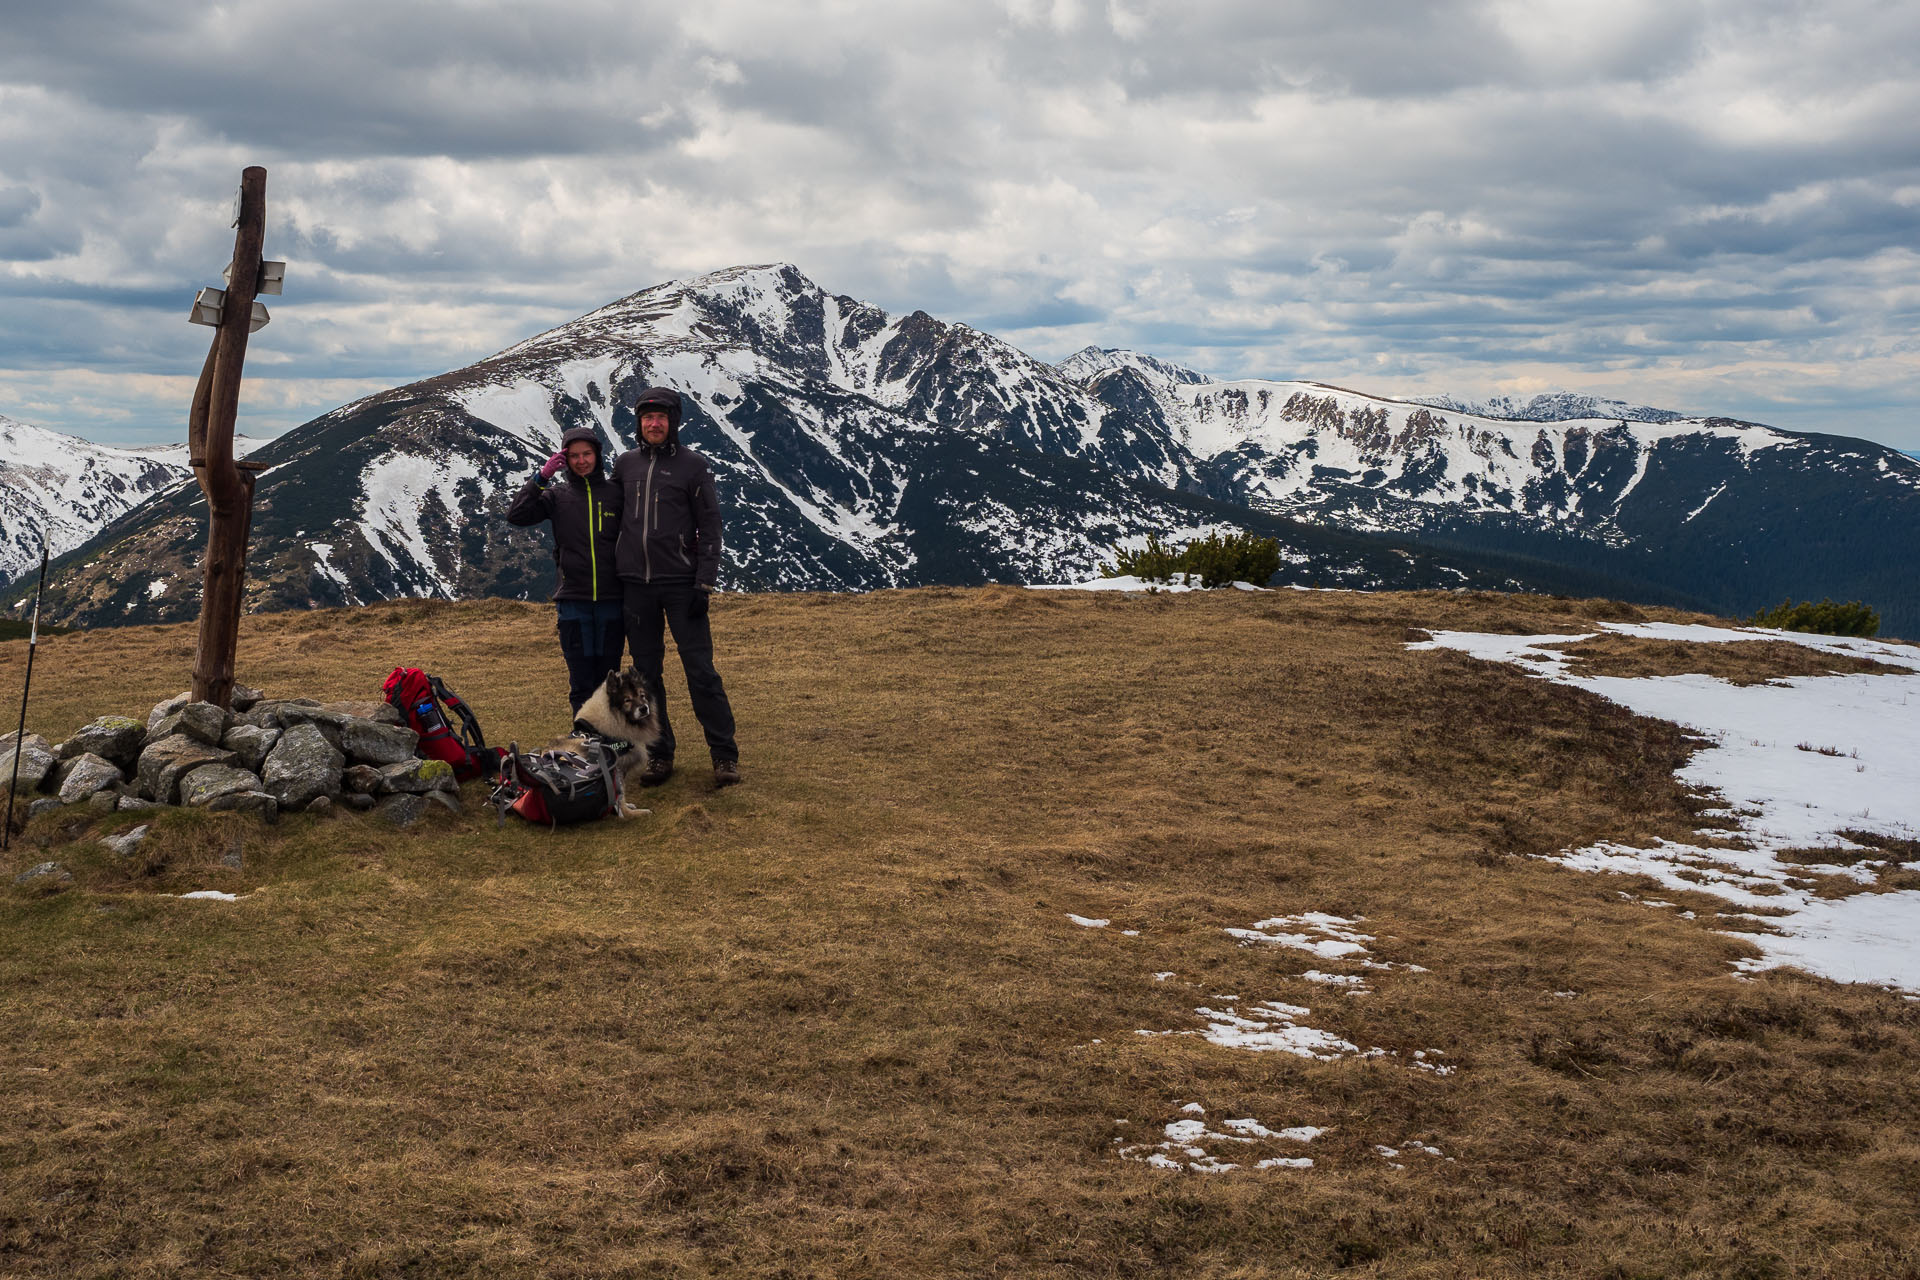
227	484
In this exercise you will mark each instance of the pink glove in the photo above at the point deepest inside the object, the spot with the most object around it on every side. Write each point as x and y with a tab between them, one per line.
553	465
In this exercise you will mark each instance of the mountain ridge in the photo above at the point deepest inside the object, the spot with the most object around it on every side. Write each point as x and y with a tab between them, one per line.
860	449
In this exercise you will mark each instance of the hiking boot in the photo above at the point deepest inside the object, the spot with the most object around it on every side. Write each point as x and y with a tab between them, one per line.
726	772
658	770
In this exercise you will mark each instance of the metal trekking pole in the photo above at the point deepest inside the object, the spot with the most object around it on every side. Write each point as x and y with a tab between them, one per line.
20	735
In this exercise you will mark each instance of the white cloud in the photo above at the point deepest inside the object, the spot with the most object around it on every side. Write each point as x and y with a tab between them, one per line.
1707	204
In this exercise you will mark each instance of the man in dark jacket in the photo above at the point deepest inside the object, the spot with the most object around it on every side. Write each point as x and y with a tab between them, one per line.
585	509
669	565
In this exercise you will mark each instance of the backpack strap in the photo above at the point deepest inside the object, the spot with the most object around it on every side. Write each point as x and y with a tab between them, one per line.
470	735
507	785
605	756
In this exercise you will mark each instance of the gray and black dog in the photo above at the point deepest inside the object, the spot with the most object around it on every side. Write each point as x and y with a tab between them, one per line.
620	714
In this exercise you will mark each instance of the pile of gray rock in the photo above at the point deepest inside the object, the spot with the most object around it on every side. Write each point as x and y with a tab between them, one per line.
266	756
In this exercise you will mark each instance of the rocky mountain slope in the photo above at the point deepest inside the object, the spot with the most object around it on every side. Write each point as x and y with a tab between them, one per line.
858	449
1552	406
64	489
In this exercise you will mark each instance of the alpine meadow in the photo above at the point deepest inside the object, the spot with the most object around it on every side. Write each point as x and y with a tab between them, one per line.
1055	933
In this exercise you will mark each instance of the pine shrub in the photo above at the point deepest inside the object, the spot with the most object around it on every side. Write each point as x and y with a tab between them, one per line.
1825	618
1217	560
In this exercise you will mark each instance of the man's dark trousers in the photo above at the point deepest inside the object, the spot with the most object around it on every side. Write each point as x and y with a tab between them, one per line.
648	605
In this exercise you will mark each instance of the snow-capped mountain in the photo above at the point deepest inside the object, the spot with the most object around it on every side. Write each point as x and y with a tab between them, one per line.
1552	406
859	449
65	489
1089	363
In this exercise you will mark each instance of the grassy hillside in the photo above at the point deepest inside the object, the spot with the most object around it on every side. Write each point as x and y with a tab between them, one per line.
838	1022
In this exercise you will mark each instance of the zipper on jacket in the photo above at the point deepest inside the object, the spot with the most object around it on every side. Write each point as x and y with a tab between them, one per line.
646	519
593	536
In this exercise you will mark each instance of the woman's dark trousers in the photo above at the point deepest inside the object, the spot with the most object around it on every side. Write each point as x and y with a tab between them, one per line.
592	636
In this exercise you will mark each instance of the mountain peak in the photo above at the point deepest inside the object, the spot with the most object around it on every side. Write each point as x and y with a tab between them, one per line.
1551	406
1090	362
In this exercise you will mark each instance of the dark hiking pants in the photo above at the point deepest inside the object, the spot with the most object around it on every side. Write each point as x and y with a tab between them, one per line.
592	636
648	606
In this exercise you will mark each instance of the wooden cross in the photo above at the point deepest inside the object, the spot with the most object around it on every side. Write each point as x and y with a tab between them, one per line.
227	484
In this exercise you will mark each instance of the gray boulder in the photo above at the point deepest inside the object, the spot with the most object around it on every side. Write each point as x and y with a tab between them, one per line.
104	801
209	782
373	743
371	709
48	877
84	776
250	744
163	764
205	721
115	738
258	802
244	698
361	779
401	810
45	804
303	766
359	801
329	723
320	805
266	712
127	843
201	721
37	762
128	804
416	776
161	710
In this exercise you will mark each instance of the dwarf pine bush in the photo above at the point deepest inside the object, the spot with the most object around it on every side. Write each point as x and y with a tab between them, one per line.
1216	560
1825	618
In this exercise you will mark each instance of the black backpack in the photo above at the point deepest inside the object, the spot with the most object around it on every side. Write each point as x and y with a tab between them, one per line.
559	787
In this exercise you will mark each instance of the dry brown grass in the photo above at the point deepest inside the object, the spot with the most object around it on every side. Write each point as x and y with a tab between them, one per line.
1741	662
835	1022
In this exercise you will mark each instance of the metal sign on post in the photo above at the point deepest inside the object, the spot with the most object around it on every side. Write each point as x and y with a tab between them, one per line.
210	303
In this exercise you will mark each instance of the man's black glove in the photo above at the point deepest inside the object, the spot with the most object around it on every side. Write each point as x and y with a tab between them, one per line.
697	608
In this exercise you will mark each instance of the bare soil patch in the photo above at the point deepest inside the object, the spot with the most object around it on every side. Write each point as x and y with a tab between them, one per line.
836	1022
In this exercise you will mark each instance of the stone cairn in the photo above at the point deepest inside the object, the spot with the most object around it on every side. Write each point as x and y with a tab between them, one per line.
266	757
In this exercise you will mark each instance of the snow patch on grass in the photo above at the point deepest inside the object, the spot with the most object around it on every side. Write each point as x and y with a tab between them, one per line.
1780	797
1186	1142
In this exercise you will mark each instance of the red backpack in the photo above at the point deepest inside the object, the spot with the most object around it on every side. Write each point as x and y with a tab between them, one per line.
425	701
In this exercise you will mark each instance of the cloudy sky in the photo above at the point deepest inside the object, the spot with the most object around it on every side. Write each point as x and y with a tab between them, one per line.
1704	206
